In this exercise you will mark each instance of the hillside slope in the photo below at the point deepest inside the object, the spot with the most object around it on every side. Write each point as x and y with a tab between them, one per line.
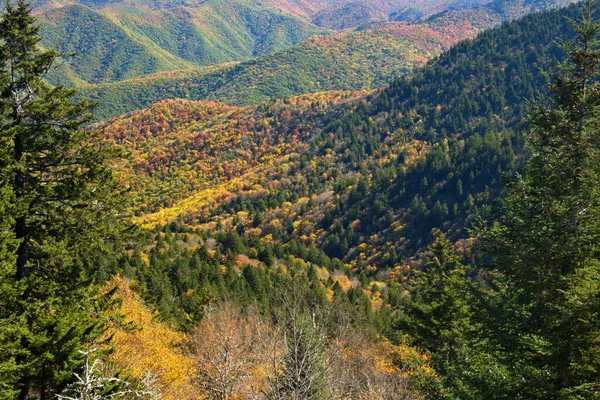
359	60
102	49
365	179
116	42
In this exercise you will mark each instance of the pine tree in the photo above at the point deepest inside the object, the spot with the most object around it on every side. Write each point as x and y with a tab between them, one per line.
546	247
11	325
59	224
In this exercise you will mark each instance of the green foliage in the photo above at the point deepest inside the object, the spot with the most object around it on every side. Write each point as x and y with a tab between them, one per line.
439	313
59	225
546	245
98	49
13	325
313	190
112	42
186	269
365	58
359	60
440	320
366	179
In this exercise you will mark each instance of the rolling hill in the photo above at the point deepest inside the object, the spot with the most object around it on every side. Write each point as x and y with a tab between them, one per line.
117	40
354	60
360	59
337	220
364	177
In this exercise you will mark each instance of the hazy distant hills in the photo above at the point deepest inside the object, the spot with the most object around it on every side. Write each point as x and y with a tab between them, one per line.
495	12
357	59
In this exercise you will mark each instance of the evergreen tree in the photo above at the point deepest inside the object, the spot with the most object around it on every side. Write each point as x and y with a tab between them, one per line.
439	308
547	244
11	325
439	318
59	196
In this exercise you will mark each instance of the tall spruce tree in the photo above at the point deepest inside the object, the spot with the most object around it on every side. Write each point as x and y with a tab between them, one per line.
440	320
547	245
439	312
58	218
10	326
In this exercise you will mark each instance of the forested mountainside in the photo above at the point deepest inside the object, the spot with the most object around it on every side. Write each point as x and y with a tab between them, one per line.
494	12
434	239
361	59
114	41
365	178
359	185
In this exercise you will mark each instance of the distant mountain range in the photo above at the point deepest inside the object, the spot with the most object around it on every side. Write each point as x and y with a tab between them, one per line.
121	40
118	40
354	59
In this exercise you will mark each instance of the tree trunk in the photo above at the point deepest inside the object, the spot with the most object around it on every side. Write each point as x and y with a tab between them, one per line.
20	226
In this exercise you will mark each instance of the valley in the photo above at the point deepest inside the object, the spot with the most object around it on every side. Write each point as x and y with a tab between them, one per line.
299	200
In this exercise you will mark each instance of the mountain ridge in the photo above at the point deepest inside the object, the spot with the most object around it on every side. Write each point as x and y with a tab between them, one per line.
172	35
364	177
365	58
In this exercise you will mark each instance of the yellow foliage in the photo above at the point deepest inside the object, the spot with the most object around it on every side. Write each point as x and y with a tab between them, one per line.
254	232
344	282
243	260
243	215
151	348
302	201
358	361
408	360
329	294
145	259
322	273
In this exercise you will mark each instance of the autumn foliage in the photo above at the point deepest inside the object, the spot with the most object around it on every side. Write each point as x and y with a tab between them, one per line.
147	348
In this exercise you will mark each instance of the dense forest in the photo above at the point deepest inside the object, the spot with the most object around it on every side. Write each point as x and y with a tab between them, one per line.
362	59
356	60
376	172
434	239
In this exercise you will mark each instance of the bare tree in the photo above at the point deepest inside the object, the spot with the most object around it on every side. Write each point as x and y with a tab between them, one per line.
233	352
301	374
361	369
91	384
245	355
326	358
